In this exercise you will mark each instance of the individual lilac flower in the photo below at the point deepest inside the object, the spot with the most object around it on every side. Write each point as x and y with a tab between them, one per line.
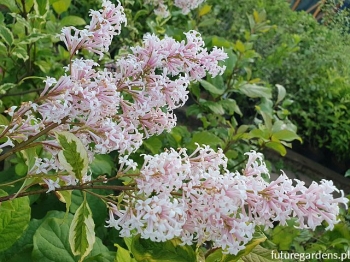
52	185
187	5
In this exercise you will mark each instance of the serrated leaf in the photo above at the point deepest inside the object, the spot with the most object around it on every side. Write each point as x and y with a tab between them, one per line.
255	91
73	157
61	6
13	222
72	20
6	35
211	88
51	240
81	231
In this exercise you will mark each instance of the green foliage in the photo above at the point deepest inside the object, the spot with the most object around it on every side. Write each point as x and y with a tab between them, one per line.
14	218
304	241
238	111
169	251
310	60
82	231
73	155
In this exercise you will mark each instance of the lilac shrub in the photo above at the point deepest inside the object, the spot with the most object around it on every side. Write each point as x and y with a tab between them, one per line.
194	198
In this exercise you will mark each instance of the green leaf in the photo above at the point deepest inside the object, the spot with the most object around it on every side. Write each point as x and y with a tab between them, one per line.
21	169
231	106
23	246
20	52
32	38
216	108
211	88
123	255
281	93
204	10
207	22
277	146
81	231
206	138
239	46
259	254
219	256
41	7
286	135
5	87
194	88
102	164
283	236
255	91
3	49
29	155
154	144
72	20
73	156
65	197
170	251
60	6
14	219
221	42
6	35
44	66
11	5
100	253
51	240
230	62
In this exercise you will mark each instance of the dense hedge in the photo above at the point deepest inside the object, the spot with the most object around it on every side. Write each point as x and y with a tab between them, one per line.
309	59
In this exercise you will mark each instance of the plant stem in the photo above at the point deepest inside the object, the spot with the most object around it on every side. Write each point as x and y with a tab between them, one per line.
64	188
27	143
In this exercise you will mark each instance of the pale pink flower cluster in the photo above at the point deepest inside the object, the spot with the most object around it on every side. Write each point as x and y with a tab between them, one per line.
185	5
196	199
114	110
97	36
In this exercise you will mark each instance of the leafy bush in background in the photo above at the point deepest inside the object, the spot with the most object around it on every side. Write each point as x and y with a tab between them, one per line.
236	111
308	59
